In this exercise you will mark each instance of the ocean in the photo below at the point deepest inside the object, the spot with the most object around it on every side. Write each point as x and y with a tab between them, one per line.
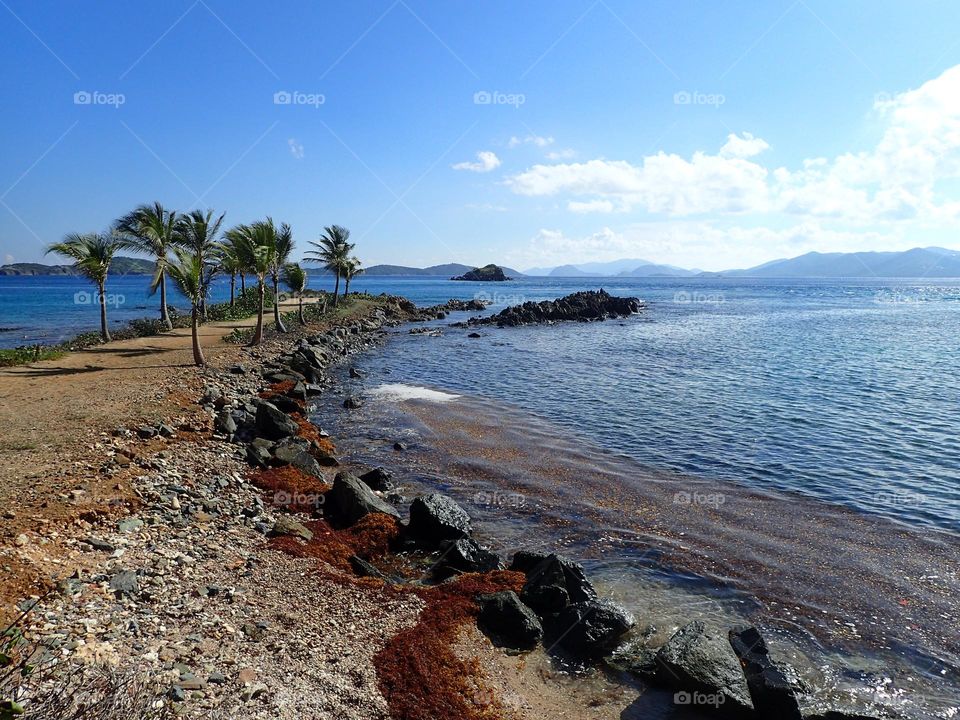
783	452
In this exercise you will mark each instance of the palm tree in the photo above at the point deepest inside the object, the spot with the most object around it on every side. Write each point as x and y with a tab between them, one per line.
231	264
332	250
257	245
92	254
351	268
295	278
197	232
188	273
283	246
151	230
232	246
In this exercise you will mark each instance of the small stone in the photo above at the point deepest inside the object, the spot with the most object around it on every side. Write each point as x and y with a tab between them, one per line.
22	540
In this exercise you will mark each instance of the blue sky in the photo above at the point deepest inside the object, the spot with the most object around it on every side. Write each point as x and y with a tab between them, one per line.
708	134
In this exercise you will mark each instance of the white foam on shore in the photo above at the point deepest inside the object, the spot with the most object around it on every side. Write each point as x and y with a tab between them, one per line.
399	392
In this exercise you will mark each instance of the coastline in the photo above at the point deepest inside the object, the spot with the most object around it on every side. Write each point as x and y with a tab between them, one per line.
241	568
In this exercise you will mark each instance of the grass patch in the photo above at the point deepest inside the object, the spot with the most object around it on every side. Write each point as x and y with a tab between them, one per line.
29	354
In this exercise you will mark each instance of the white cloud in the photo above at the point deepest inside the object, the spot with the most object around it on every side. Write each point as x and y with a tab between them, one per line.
743	147
530	140
564	154
590	206
486	161
296	148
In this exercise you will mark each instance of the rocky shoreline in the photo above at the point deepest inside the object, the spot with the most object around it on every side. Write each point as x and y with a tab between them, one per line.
192	592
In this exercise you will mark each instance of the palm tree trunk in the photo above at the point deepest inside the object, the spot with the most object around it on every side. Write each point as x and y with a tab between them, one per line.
258	333
336	289
104	331
164	315
303	320
276	306
233	286
198	358
243	283
346	287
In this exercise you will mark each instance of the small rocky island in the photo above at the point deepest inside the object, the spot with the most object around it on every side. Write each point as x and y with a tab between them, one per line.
584	306
488	273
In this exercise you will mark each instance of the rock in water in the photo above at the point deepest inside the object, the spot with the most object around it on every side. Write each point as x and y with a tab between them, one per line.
487	273
554	583
465	555
508	622
379	479
581	306
700	661
435	518
772	693
591	628
350	500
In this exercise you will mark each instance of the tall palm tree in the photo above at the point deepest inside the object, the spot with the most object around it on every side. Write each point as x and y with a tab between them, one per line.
256	244
295	278
188	273
332	250
283	246
351	268
233	243
92	254
197	232
230	263
151	230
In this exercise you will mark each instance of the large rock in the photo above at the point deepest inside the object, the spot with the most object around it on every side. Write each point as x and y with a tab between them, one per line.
698	660
379	479
487	273
286	525
465	555
296	452
435	518
773	695
274	424
350	500
555	582
508	622
581	306
591	628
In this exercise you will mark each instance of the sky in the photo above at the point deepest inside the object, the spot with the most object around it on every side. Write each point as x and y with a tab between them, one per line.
714	135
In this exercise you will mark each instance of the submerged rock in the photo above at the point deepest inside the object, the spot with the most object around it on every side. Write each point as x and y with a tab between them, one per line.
591	628
773	695
695	659
379	479
465	555
554	583
508	622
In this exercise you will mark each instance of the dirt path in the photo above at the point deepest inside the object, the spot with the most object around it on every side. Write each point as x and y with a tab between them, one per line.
55	413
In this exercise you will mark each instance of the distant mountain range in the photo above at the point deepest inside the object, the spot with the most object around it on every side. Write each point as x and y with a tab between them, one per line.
931	262
120	266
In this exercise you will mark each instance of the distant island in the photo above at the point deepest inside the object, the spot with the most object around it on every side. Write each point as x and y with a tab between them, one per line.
445	271
119	266
931	262
488	273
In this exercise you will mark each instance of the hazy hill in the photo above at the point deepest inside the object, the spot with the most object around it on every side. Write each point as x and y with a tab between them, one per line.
932	262
120	266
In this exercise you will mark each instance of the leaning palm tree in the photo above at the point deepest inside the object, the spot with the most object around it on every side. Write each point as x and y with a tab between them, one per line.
187	272
256	244
230	263
351	268
151	230
197	232
283	246
332	250
92	254
295	278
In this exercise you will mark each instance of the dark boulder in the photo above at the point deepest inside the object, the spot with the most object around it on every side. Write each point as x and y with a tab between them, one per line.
697	660
435	518
379	479
773	694
589	629
526	560
352	403
554	583
258	456
273	423
508	622
465	555
350	500
487	273
296	452
580	306
286	404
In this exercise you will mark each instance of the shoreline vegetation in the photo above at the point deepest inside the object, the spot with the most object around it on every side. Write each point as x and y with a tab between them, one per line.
237	495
